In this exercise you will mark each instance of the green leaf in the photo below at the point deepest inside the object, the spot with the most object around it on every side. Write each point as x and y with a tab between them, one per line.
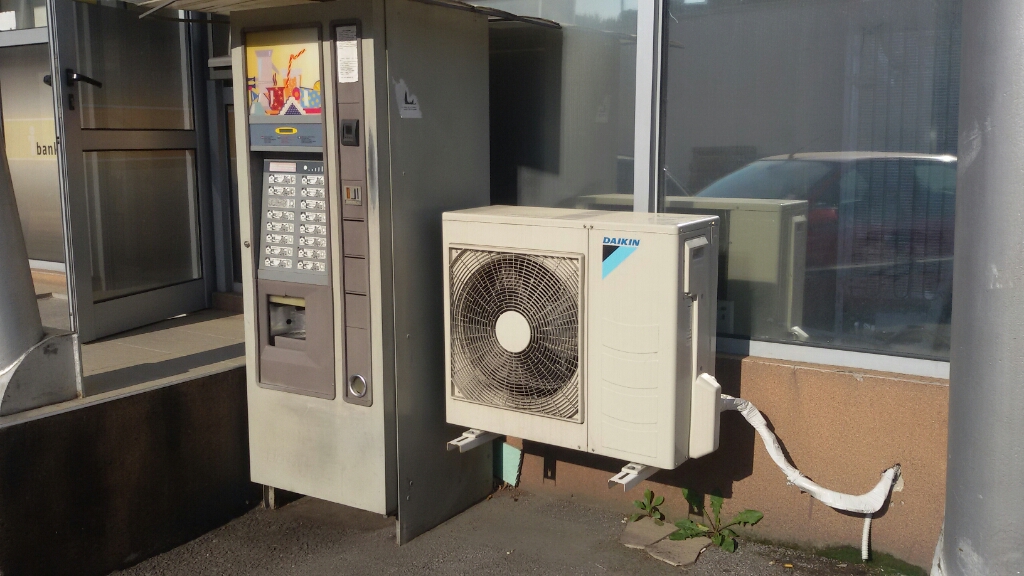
659	500
658	522
717	539
648	496
727	532
687	529
695	500
728	544
657	515
639	504
747	518
716	505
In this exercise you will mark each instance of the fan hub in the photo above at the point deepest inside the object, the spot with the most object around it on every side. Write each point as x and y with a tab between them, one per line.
512	331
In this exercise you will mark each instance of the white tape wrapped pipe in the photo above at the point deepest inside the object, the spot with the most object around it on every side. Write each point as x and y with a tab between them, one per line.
867	503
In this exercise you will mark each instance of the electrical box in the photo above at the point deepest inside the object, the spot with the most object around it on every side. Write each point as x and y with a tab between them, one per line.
358	124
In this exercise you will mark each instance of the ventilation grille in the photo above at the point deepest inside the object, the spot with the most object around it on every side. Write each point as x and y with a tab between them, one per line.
541	378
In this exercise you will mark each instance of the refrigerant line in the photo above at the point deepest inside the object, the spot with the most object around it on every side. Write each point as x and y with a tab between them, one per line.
867	504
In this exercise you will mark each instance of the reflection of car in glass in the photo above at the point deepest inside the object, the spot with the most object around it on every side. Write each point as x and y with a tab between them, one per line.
879	241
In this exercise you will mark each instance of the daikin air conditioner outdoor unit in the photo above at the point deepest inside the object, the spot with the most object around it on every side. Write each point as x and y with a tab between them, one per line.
584	329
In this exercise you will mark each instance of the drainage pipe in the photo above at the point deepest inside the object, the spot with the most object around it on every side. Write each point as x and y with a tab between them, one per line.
984	525
20	325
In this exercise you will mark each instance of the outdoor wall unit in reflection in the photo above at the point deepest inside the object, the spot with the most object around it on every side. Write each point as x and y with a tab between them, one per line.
351	155
762	260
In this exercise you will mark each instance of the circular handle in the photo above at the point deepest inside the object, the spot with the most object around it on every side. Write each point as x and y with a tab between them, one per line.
246	244
357	386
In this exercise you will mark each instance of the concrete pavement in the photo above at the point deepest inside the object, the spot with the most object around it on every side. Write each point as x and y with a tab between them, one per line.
511	533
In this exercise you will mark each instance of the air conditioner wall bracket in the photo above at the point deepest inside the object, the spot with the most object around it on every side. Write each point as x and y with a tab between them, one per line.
631	475
471	439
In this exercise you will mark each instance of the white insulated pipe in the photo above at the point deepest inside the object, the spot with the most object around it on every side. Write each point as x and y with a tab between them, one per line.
867	503
20	325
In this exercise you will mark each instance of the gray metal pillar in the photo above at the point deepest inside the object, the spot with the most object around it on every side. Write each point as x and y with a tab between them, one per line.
984	527
20	326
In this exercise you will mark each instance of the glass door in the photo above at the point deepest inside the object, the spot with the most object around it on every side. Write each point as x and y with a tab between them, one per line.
130	164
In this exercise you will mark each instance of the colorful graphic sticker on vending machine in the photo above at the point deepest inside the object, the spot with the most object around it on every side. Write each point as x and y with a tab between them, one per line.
282	69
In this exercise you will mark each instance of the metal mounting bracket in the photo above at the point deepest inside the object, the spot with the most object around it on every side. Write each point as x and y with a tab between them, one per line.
471	439
631	475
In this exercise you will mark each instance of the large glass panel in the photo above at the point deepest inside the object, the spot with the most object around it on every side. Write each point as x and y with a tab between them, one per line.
824	134
31	143
142	64
143	220
32	147
22	14
562	102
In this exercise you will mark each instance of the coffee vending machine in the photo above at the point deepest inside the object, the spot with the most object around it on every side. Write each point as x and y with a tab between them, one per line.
358	123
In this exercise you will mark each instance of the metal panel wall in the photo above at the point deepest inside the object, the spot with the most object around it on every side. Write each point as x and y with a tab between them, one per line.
439	162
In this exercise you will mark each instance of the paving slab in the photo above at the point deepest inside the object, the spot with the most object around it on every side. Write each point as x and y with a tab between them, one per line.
644	532
678	552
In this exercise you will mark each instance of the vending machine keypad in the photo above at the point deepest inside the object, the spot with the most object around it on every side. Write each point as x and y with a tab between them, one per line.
295	228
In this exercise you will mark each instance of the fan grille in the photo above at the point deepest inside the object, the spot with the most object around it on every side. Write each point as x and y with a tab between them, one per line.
544	377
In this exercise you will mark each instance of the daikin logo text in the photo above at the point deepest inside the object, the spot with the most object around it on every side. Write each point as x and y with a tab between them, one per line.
614	251
621	241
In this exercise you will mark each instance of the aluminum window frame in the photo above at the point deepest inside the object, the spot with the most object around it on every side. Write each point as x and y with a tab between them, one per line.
648	153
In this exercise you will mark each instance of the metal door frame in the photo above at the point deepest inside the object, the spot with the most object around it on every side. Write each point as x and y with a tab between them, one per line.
91	319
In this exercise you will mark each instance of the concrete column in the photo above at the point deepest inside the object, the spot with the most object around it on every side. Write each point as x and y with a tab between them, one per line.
20	326
984	528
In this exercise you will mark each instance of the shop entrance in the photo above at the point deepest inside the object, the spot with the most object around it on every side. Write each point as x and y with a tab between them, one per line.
115	136
131	166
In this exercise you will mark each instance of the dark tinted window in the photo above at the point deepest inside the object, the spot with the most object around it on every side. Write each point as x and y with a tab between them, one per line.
841	117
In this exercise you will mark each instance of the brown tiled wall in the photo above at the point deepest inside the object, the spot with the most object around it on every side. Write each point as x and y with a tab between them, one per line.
840	427
105	485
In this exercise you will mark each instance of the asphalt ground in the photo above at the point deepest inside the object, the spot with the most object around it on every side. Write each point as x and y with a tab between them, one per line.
510	533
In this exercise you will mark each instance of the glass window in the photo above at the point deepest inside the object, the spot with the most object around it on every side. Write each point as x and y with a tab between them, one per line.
562	102
824	134
143	220
142	64
31	141
219	36
32	148
22	14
